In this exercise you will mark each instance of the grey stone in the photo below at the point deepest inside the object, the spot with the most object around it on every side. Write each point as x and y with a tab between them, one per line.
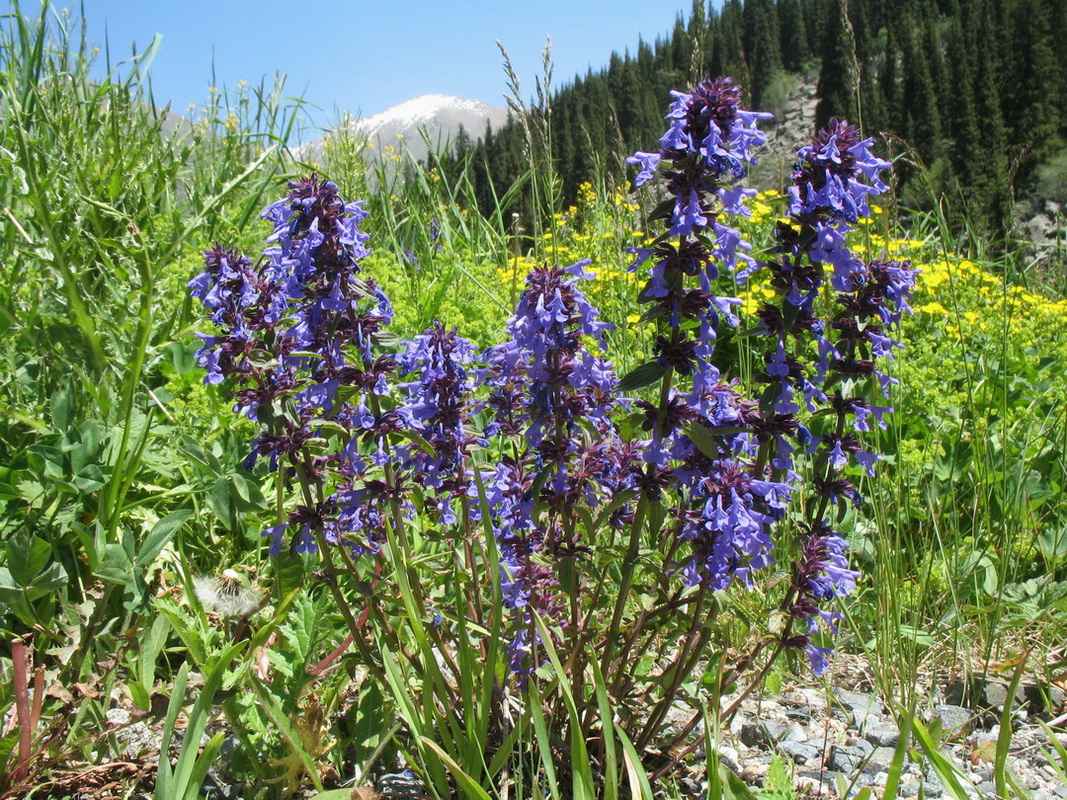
987	789
883	735
863	746
954	719
763	733
728	756
795	732
823	780
801	714
881	759
933	788
863	709
982	773
846	759
1043	699
690	787
1060	791
800	752
979	692
814	697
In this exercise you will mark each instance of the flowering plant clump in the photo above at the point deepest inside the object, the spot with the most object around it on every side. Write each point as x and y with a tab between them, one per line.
520	531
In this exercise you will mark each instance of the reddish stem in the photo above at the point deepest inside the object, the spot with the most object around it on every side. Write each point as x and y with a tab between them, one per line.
20	662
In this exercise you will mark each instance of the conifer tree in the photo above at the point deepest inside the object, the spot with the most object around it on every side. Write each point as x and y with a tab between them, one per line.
836	81
794	35
763	46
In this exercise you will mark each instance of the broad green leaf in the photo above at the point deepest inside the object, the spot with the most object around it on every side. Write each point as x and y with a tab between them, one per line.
642	376
160	534
27	556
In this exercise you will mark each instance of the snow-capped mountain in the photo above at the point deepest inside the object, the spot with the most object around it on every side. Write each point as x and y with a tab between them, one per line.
403	127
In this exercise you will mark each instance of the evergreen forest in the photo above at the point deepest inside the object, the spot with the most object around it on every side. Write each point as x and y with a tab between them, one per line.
968	97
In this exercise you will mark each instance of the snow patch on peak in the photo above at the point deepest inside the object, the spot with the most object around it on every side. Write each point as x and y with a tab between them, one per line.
420	109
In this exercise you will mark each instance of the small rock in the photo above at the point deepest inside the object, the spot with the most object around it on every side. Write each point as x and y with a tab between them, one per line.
728	756
689	787
801	714
979	692
818	782
795	733
800	752
814	697
752	775
846	759
1043	699
763	734
886	735
881	758
864	709
933	789
981	774
954	719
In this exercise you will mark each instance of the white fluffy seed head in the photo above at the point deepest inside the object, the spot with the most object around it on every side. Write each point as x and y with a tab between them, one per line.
227	595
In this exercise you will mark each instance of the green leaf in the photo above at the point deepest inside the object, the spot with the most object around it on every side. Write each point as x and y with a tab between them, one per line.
115	565
27	556
285	728
221	504
89	479
62	408
635	770
642	376
704	439
160	534
733	788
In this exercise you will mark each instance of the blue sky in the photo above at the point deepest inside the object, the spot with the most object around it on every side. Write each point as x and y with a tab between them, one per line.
367	56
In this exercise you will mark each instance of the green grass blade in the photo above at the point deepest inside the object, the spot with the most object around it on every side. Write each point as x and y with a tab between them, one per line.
581	769
544	744
635	770
198	717
896	768
946	770
469	786
611	765
1000	766
164	772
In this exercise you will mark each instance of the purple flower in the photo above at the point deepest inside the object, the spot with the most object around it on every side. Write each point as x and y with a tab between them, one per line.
820	575
649	164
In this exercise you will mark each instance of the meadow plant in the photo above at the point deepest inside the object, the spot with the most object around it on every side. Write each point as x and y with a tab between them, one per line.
533	555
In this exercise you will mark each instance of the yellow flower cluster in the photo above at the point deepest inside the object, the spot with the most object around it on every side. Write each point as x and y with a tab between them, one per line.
980	302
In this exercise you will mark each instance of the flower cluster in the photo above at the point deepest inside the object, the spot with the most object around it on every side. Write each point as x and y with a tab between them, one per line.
547	387
825	362
296	339
439	408
702	444
537	442
735	459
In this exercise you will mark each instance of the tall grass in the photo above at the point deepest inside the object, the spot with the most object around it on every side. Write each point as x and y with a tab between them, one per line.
101	207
